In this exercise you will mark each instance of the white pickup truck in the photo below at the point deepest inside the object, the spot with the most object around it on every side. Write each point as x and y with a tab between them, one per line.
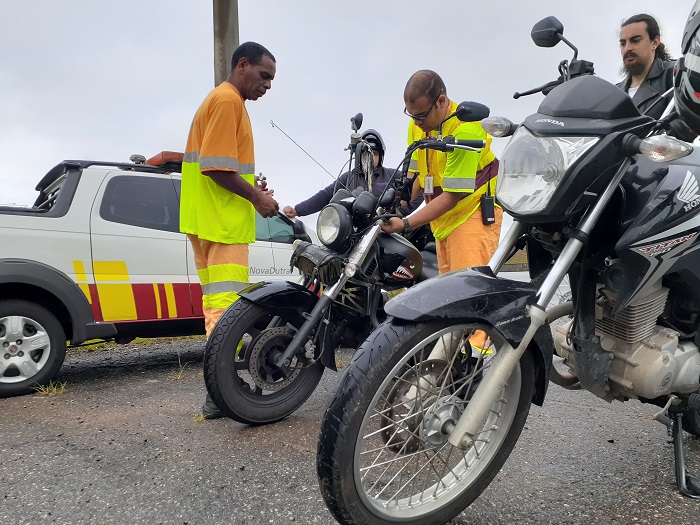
99	256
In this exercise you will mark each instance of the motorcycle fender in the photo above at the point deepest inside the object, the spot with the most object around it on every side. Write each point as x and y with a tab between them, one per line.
477	295
281	295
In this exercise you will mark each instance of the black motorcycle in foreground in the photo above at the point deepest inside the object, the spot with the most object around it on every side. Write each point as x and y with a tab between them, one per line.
422	422
267	353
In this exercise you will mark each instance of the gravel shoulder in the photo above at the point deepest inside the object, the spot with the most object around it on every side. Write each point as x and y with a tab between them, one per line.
122	445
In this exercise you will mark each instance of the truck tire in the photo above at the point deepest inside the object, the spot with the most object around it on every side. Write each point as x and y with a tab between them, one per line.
32	346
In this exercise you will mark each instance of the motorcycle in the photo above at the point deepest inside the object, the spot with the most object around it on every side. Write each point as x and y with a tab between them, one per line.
434	401
269	350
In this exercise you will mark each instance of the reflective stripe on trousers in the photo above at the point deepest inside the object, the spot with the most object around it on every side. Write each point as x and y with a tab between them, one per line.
223	272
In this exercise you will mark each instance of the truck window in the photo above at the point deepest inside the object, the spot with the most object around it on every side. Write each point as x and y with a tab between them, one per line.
280	231
147	202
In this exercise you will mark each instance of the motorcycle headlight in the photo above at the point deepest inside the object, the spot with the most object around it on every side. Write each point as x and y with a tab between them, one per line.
334	227
532	168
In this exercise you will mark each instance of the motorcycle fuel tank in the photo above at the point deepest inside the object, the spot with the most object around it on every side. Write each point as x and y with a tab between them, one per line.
399	260
664	236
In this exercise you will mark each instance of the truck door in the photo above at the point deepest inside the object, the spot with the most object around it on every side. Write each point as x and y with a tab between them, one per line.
139	256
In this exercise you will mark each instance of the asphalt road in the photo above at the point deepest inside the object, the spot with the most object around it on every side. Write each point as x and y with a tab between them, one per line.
121	445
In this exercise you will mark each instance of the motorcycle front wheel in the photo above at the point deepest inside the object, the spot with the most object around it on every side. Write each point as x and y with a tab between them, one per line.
239	365
384	455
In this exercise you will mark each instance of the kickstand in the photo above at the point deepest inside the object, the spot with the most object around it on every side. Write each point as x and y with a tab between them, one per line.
687	484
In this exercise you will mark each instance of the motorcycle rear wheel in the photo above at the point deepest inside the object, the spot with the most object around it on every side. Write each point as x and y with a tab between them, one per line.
383	455
239	369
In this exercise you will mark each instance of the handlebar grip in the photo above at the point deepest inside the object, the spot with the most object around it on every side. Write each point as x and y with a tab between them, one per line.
471	143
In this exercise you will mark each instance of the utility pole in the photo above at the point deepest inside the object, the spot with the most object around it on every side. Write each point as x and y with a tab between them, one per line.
226	37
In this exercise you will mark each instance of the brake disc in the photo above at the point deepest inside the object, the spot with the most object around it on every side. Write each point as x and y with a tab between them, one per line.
268	347
409	403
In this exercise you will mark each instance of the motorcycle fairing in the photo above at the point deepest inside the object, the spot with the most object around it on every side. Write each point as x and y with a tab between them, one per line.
664	237
476	294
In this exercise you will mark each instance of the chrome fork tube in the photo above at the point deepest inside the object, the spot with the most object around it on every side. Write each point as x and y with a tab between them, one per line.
573	246
500	256
507	358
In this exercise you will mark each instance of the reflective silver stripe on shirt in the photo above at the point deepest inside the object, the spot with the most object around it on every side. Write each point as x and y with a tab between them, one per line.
230	163
413	165
246	169
223	287
468	183
192	156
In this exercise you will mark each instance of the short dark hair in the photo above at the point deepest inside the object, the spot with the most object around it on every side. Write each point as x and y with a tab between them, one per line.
424	83
652	30
252	51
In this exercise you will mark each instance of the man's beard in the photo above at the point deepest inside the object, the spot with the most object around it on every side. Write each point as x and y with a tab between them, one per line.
633	68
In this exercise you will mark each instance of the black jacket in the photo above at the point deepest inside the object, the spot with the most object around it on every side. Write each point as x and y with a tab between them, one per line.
659	79
316	202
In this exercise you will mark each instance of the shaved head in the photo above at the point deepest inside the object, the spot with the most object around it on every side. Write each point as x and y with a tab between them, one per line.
423	83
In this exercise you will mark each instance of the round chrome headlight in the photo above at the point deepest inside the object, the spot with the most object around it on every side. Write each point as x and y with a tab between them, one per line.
334	227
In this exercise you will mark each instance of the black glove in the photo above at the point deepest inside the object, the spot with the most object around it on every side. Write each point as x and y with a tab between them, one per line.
680	130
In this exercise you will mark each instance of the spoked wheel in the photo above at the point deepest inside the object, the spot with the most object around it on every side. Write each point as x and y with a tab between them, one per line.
384	455
240	368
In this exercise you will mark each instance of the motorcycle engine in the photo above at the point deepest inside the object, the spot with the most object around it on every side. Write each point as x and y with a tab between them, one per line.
646	360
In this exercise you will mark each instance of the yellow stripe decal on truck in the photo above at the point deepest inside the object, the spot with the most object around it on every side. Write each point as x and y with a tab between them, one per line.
156	294
116	300
81	278
170	296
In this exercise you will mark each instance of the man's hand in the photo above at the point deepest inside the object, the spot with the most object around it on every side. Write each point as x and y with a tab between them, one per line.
290	212
265	205
261	182
393	225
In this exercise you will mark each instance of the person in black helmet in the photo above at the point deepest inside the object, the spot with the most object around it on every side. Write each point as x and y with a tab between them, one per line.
348	180
686	85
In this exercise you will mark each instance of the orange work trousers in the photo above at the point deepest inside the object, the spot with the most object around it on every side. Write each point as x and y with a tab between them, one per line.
223	271
472	243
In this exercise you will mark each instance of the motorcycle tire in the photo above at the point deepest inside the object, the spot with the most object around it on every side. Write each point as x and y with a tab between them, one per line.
362	479
239	372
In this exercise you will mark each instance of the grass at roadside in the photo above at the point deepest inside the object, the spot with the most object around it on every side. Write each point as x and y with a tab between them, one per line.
53	388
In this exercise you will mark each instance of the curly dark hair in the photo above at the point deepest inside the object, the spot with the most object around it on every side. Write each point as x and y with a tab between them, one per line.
653	31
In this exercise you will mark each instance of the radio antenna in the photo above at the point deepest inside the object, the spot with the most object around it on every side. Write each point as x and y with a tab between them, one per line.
302	149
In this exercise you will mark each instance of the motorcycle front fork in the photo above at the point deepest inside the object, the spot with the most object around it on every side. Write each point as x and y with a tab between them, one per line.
507	358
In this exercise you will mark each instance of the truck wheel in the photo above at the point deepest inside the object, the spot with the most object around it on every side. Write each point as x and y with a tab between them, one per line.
32	346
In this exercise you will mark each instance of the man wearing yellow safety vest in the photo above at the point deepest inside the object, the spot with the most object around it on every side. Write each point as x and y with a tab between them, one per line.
453	183
219	190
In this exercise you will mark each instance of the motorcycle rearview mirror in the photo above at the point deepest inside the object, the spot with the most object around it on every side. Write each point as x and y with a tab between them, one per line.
472	111
356	122
467	112
547	32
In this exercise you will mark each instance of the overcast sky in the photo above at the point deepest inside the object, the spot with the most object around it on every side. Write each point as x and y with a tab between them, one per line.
91	79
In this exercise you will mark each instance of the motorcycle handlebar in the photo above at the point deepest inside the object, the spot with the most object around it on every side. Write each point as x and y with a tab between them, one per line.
449	144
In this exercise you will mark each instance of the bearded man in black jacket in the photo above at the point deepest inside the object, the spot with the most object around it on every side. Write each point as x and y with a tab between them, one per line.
646	61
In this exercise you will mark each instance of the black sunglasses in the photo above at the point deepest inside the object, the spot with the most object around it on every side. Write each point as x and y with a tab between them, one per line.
422	116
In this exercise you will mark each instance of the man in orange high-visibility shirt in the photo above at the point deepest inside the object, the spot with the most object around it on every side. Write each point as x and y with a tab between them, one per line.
219	190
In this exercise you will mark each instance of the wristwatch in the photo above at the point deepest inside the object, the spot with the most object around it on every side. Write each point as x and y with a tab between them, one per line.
406	226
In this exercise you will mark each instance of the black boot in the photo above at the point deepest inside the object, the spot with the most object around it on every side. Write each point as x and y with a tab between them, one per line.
210	410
